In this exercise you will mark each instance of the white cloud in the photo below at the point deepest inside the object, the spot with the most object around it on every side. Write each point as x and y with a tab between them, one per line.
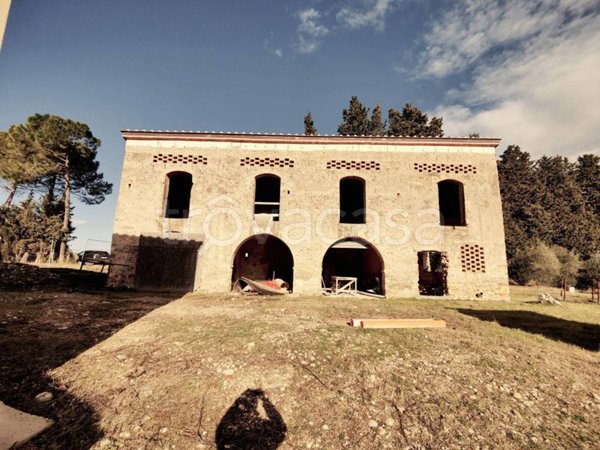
474	28
543	97
275	51
374	15
310	31
533	68
360	13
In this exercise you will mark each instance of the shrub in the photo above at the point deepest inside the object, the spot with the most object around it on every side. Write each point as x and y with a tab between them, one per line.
537	263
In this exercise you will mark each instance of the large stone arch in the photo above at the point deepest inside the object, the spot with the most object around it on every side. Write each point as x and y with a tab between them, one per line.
263	257
355	257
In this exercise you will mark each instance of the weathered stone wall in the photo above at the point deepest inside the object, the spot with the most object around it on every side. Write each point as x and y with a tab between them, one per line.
401	178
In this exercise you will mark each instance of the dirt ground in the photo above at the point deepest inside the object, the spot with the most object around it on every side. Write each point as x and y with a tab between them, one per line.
48	317
210	371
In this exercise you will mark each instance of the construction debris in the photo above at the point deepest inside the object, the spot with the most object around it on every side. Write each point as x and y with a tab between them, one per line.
264	287
547	299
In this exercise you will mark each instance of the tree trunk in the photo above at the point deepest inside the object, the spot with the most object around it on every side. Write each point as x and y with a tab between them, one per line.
11	194
62	254
52	252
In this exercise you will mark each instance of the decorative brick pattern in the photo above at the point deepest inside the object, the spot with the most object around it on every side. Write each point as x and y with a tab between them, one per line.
356	165
267	162
445	168
472	258
179	159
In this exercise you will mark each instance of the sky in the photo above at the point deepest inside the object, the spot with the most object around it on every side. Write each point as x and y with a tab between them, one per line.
525	71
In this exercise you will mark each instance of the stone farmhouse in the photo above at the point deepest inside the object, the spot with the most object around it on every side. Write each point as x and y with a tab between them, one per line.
402	216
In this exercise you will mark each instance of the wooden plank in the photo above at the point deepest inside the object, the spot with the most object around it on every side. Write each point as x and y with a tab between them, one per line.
402	323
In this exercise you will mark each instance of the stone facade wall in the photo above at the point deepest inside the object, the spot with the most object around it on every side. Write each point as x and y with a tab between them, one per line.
401	177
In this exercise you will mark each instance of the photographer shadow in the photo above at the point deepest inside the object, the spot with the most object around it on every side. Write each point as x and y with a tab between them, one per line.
251	423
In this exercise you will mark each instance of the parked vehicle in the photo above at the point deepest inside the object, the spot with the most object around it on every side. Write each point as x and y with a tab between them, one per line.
94	257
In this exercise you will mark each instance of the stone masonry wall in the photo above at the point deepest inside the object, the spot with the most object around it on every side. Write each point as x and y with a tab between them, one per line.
401	178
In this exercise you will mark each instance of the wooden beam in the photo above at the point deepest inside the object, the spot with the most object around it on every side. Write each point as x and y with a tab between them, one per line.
402	323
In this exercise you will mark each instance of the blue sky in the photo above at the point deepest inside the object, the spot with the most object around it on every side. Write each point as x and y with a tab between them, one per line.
526	71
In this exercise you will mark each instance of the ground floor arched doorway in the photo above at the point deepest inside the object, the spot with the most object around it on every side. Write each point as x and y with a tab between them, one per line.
358	258
263	257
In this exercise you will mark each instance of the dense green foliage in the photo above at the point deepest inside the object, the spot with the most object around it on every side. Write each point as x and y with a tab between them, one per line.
309	125
376	124
54	158
410	122
536	263
413	122
355	119
550	202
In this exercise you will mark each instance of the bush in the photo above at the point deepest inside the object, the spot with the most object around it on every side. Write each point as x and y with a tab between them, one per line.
570	264
537	263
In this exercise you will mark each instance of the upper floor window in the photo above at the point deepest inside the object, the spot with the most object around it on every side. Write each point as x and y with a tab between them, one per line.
352	200
267	195
179	189
452	203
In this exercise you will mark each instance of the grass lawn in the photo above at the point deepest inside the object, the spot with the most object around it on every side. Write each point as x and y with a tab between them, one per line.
210	371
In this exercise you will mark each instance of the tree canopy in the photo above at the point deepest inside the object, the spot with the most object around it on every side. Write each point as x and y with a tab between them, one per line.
309	125
413	122
355	119
58	156
22	163
410	122
551	202
376	124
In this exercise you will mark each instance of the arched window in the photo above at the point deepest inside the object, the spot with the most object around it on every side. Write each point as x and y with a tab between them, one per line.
452	203
352	200
179	189
267	195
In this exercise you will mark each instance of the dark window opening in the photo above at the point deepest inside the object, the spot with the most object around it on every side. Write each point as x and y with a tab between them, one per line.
178	197
352	200
433	273
356	258
452	203
267	196
263	257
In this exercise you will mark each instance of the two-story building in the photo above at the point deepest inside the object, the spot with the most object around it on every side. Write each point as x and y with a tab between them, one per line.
403	216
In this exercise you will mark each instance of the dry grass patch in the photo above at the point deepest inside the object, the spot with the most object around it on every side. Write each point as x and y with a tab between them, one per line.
169	379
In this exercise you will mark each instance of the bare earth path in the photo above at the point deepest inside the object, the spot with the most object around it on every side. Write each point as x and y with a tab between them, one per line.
210	371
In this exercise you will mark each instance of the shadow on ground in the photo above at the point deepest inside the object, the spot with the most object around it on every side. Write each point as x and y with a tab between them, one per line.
584	335
47	317
251	423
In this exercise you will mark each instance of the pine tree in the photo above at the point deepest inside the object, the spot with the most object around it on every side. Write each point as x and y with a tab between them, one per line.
22	163
355	119
70	149
309	125
395	124
524	220
435	127
376	124
413	122
588	178
572	225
